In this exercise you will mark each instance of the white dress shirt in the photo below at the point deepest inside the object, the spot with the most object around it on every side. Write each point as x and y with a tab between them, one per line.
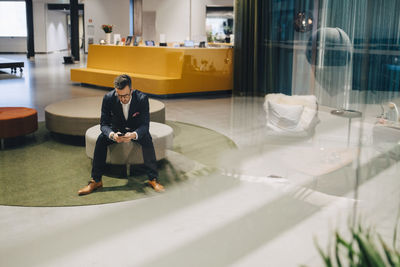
125	108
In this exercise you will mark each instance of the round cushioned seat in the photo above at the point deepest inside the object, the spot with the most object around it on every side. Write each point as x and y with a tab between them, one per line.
17	121
75	116
131	153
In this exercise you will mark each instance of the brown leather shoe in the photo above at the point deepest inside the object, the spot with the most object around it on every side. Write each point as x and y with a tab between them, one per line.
92	185
156	186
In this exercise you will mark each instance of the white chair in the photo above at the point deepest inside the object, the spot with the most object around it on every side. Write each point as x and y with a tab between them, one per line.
291	115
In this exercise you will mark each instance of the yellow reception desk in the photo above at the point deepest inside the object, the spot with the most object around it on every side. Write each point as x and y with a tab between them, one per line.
159	70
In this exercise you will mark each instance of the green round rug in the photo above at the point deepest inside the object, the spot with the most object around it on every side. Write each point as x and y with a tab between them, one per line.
47	170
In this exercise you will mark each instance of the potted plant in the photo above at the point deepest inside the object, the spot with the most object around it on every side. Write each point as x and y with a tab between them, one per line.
365	248
108	30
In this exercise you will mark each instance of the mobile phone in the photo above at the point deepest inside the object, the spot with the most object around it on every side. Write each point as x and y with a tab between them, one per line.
121	134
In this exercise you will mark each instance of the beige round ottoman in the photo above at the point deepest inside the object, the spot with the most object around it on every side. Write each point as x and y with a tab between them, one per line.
131	153
75	116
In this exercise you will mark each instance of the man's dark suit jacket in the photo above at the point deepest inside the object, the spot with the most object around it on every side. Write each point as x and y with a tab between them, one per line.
113	120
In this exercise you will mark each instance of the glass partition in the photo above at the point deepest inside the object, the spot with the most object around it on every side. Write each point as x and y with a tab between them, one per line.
333	138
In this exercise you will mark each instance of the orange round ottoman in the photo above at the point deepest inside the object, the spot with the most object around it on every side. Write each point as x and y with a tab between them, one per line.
17	121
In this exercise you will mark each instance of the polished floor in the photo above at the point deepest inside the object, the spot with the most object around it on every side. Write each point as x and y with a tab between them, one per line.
264	206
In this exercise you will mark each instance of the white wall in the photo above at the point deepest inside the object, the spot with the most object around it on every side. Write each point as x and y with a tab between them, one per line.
13	44
115	12
39	26
173	17
50	32
149	25
50	29
56	31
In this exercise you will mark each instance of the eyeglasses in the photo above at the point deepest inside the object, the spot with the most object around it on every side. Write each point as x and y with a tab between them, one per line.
124	96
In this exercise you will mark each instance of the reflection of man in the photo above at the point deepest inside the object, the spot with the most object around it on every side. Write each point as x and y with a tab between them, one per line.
125	118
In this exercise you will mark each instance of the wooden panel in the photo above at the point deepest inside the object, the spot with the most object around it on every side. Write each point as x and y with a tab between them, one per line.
138	17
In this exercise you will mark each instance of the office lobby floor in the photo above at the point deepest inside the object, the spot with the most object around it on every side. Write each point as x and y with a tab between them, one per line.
262	207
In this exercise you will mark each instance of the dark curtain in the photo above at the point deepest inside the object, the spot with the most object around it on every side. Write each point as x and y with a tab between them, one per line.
274	73
373	28
381	25
264	44
246	51
352	46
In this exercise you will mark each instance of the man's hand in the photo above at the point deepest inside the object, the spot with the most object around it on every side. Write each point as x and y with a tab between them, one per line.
125	138
118	137
131	135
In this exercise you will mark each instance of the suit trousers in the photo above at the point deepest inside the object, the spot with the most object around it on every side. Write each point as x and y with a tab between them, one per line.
100	156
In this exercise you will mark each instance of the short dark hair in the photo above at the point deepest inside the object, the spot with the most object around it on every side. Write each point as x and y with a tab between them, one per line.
122	81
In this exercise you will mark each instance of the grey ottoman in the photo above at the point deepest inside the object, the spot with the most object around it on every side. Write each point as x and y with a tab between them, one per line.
131	153
75	116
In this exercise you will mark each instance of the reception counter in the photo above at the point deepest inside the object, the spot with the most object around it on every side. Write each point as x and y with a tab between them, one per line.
159	70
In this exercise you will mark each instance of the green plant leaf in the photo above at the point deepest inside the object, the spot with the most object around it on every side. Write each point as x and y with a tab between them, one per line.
326	258
337	254
349	247
366	248
341	241
387	251
395	230
368	252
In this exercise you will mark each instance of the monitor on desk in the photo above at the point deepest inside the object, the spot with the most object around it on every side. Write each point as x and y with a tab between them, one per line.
128	40
149	43
188	43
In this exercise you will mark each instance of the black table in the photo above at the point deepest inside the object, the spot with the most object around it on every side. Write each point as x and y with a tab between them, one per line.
8	63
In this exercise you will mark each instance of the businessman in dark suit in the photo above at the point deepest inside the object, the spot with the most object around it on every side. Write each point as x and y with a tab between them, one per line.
125	118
